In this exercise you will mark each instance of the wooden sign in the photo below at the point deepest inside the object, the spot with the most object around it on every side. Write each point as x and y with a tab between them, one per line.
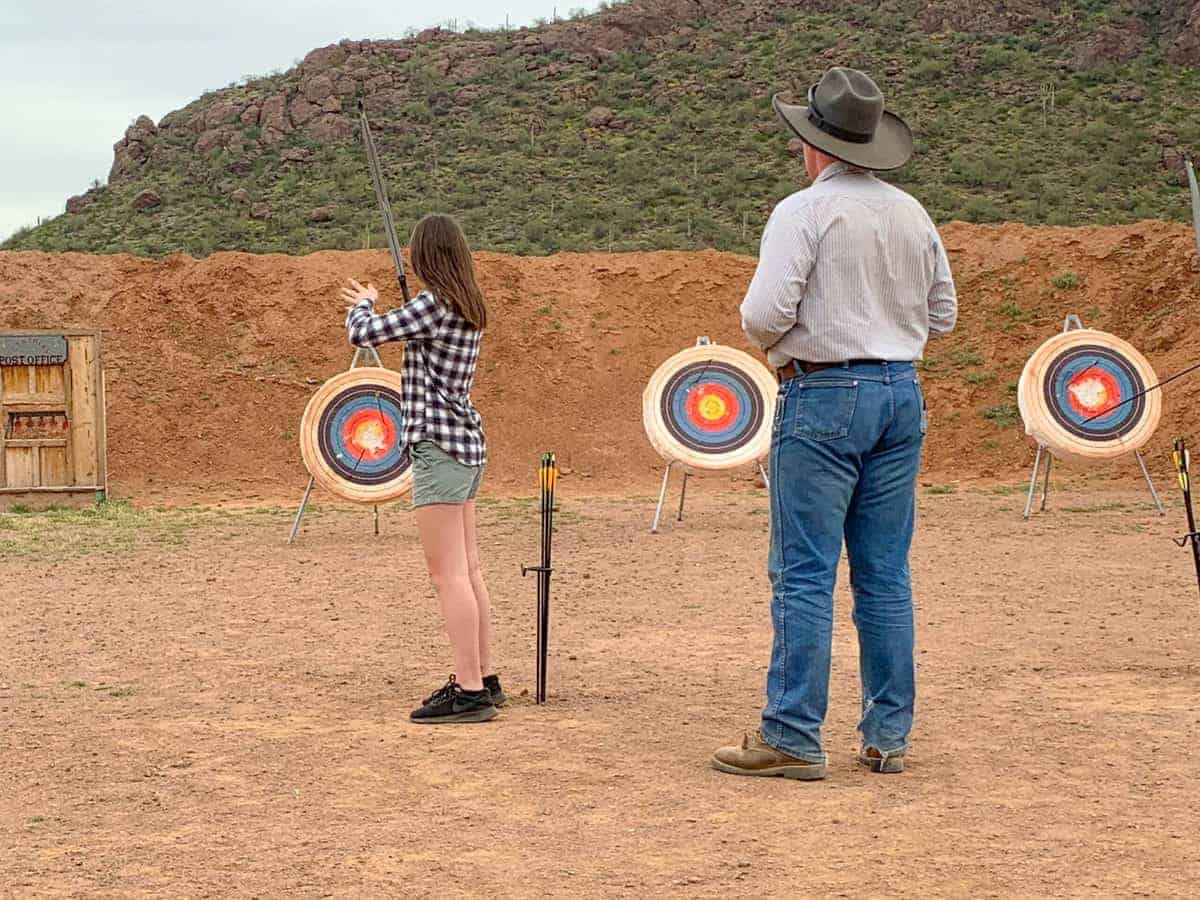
33	350
52	438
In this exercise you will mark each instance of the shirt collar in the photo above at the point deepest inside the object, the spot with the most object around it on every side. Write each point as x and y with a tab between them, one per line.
837	168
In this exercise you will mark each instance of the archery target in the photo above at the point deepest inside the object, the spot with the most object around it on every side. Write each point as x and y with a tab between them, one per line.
351	436
1079	396
710	407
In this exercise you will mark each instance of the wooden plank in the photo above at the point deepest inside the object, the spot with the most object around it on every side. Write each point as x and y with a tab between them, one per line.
76	498
93	488
36	442
101	417
14	384
48	382
50	405
84	388
65	332
41	404
55	468
19	467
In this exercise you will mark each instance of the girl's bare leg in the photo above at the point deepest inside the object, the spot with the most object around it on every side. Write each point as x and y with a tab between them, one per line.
443	538
483	604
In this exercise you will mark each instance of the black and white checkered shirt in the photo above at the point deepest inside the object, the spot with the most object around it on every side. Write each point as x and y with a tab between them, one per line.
439	369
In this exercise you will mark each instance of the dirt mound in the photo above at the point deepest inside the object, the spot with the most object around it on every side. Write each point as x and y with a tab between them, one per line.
210	362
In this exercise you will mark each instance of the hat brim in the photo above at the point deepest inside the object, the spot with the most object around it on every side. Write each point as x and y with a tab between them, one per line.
890	148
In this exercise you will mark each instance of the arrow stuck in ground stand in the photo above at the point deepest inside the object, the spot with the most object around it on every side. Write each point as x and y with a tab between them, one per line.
547	480
1183	465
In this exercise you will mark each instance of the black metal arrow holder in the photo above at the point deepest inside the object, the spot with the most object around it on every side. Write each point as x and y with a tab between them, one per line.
547	480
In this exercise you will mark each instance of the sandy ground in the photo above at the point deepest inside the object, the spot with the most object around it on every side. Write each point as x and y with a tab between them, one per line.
208	713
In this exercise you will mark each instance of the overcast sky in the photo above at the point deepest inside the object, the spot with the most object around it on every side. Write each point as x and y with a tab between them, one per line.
75	73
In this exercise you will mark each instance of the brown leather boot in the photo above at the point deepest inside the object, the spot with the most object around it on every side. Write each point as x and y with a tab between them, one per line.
756	757
892	764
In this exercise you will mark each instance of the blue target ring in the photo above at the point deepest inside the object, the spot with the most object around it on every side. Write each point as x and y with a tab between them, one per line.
361	435
712	407
1093	393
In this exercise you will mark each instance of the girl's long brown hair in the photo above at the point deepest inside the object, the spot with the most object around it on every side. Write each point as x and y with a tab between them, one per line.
442	259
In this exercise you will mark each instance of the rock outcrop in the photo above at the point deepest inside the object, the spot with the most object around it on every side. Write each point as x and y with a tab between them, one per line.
1110	45
147	200
132	151
1185	48
79	203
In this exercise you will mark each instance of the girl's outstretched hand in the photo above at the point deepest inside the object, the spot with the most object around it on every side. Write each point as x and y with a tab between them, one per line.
356	293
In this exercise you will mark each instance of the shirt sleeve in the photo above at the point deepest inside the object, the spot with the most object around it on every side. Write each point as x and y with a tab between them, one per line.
943	297
420	318
785	260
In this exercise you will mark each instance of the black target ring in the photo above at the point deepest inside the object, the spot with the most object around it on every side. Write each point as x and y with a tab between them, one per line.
352	436
741	407
710	407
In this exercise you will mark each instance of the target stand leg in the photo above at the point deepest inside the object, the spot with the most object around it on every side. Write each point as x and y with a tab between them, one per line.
1046	482
682	496
1037	465
371	354
763	473
300	511
1149	482
662	497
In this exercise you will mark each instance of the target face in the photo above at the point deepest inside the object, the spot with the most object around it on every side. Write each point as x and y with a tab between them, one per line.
710	407
351	436
1081	396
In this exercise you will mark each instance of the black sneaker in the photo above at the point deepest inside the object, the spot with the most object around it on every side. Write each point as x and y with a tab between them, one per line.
453	704
492	683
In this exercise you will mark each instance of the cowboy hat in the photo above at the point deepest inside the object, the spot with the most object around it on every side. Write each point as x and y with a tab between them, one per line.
846	119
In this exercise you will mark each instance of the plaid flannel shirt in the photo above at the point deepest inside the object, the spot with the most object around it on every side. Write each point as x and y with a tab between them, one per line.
438	371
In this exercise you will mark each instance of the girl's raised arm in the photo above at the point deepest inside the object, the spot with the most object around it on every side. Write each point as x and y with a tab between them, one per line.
421	317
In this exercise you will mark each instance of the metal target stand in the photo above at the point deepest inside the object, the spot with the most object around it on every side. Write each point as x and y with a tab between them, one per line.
662	494
1073	323
373	359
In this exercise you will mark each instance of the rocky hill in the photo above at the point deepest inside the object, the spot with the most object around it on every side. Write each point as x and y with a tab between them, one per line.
648	125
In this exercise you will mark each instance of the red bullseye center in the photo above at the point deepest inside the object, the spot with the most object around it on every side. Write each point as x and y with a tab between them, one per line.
712	406
368	435
1093	392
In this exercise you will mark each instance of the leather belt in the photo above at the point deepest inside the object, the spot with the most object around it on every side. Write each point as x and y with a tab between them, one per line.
798	367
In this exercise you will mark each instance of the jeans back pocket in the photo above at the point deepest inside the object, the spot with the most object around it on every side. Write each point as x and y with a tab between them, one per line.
825	409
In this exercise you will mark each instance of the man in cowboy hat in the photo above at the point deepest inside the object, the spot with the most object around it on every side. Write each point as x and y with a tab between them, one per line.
852	280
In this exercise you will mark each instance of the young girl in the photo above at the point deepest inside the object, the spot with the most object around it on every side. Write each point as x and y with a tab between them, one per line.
442	327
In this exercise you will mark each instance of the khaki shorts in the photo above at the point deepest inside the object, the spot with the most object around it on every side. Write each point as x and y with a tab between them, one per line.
439	478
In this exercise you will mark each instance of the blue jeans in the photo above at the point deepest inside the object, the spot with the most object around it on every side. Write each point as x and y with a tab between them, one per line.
844	459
